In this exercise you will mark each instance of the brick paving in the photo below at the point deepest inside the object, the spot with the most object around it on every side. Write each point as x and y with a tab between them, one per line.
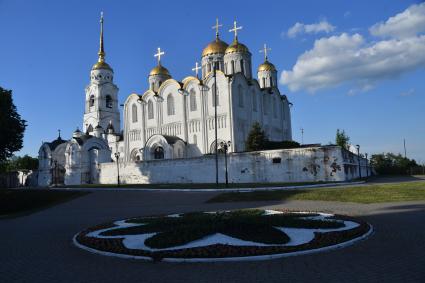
38	247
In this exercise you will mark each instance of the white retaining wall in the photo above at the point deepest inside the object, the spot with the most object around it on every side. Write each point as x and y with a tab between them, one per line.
286	165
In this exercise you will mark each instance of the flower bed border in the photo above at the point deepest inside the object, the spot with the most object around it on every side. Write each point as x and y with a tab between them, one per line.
321	242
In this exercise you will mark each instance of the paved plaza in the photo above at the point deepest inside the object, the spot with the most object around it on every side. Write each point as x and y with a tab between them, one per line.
38	247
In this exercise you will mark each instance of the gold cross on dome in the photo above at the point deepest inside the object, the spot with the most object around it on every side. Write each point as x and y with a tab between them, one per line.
159	54
216	27
197	67
264	50
235	29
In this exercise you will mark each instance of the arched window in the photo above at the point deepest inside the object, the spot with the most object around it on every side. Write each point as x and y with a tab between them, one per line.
242	67
158	153
108	101
150	109
91	101
264	82
192	98
240	96
271	81
265	104
134	113
89	129
254	101
170	105
215	97
233	66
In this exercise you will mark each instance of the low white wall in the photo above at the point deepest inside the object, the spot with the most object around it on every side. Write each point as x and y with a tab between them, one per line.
296	165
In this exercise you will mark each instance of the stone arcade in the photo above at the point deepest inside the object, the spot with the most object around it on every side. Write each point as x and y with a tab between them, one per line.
169	130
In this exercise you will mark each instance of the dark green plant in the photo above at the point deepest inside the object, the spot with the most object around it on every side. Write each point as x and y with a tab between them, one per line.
257	139
392	164
342	139
12	127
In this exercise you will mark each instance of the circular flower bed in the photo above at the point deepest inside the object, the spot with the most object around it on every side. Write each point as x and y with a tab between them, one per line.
226	235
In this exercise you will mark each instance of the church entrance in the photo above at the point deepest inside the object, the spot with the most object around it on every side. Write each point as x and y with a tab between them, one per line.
158	153
58	174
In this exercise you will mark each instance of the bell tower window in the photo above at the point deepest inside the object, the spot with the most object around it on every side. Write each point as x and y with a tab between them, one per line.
91	101
108	101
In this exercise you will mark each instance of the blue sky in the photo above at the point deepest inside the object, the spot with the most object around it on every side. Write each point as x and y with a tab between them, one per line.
346	65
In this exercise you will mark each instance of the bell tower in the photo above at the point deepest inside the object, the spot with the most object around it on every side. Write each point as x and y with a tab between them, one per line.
101	104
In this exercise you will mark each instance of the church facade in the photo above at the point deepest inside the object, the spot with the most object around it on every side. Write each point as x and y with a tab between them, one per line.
172	119
169	132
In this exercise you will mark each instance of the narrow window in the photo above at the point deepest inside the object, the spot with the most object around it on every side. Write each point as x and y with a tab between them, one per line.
254	101
240	96
215	96
91	101
274	107
264	82
233	66
192	99
108	101
170	105
134	112
195	139
242	67
150	109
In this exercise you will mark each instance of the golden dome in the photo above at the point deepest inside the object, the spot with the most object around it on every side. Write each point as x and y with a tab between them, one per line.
266	66
236	46
216	46
159	70
101	65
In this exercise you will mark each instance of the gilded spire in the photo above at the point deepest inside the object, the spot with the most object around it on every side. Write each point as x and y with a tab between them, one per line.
101	52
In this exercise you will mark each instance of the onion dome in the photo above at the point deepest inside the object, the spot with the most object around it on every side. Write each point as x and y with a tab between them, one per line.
159	70
101	65
236	47
266	66
216	46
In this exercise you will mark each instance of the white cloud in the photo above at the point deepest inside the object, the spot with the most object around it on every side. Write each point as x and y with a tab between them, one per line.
299	28
410	92
405	24
350	58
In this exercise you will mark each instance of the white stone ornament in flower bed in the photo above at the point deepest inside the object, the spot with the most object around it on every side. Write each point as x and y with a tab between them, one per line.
222	236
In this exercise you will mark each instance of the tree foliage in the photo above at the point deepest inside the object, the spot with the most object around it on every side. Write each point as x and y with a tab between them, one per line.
342	139
14	163
392	164
12	127
257	139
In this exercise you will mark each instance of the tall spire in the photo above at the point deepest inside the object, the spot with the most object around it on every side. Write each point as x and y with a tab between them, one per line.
101	52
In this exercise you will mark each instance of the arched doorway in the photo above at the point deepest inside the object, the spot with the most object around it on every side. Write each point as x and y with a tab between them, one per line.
158	153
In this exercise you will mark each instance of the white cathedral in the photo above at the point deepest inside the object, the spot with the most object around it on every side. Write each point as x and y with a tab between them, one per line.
172	119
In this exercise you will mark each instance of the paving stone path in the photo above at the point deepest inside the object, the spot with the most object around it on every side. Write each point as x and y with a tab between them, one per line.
38	247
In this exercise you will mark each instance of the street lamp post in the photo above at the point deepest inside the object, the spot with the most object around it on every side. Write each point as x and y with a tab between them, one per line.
56	173
358	160
215	121
367	166
117	157
225	146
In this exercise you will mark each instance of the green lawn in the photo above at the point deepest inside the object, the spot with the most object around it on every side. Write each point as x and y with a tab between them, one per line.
406	191
24	201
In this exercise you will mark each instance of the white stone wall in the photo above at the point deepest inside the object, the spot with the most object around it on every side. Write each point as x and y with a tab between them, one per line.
296	165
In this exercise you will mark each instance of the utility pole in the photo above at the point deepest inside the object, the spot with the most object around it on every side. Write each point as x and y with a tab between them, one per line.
302	136
404	143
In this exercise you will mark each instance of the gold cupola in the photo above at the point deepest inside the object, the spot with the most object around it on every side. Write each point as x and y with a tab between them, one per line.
159	70
266	66
101	64
217	46
236	46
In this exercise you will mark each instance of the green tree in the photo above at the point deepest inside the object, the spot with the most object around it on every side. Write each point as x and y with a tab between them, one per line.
257	139
342	139
12	127
392	164
23	162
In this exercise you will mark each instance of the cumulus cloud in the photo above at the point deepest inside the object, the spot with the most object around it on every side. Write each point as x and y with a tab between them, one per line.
406	24
350	58
299	28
